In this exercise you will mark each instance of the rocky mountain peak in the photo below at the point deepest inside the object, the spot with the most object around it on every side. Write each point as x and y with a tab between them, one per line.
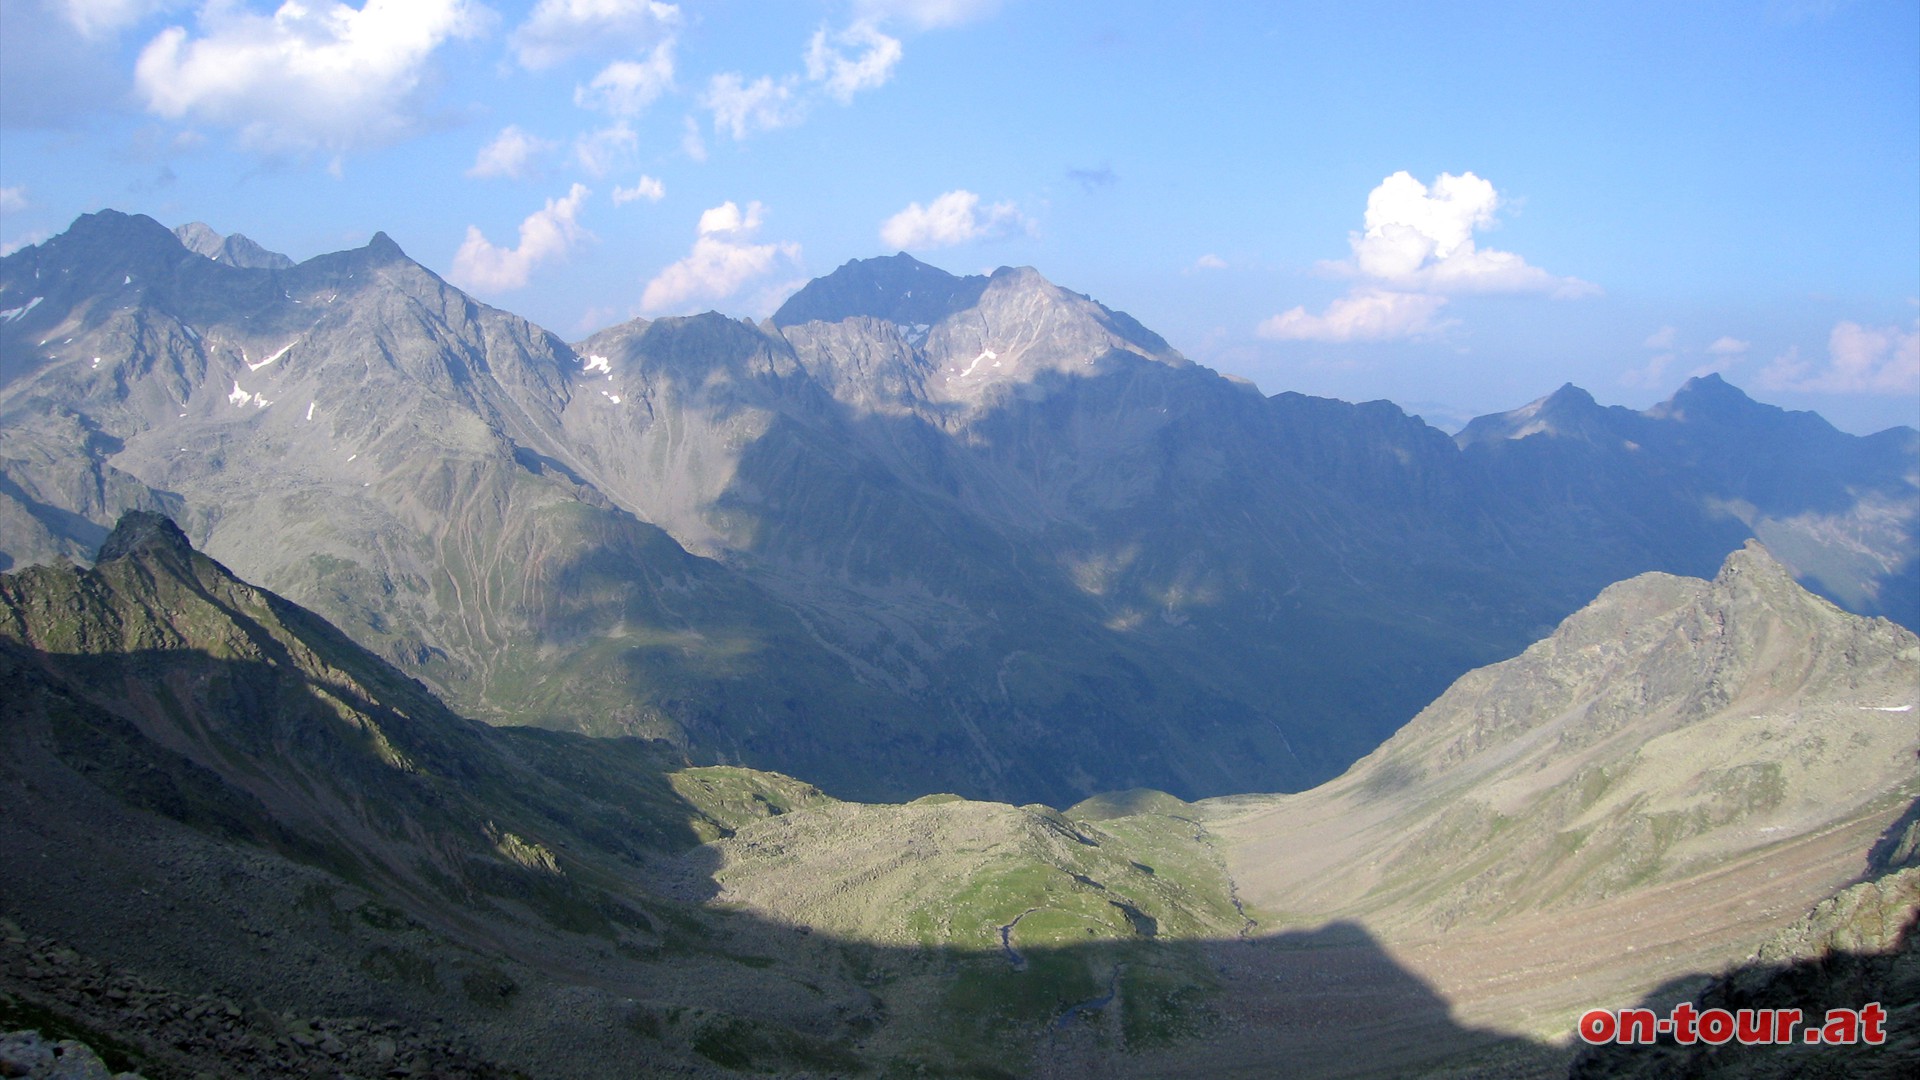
1024	324
110	238
142	532
1752	578
1710	398
897	288
1568	411
200	238
383	246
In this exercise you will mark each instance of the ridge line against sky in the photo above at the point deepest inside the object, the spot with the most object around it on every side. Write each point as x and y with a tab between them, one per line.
1456	208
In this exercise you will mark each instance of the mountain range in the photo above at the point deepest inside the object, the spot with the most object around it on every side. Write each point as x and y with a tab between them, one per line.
914	533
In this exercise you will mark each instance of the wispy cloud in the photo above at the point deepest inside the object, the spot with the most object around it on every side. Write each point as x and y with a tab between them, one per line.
1724	353
10	246
560	30
625	88
512	153
724	260
13	198
1362	315
954	218
927	14
1860	360
851	60
691	142
606	150
743	108
837	64
99	18
546	234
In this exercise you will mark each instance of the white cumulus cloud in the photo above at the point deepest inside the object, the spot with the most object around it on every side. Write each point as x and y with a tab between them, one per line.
1860	360
1363	315
13	198
871	64
648	188
323	76
1422	238
724	259
558	30
512	153
1417	249
627	87
546	234
954	218
96	18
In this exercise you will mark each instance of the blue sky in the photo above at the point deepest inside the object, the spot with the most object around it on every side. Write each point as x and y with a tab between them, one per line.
1455	206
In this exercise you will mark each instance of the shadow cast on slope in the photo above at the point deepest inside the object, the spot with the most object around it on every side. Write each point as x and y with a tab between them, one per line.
1841	979
206	869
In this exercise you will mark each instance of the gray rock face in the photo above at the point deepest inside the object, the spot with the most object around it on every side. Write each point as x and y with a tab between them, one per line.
236	250
991	537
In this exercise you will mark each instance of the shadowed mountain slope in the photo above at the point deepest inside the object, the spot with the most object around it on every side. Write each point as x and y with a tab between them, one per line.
1856	948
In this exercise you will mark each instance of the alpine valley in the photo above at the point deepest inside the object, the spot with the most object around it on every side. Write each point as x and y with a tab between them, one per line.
943	676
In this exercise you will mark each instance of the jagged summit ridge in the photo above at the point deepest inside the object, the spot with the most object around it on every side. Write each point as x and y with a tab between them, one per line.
235	250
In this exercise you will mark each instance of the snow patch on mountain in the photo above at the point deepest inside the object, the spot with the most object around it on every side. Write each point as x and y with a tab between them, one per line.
12	314
240	398
251	366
